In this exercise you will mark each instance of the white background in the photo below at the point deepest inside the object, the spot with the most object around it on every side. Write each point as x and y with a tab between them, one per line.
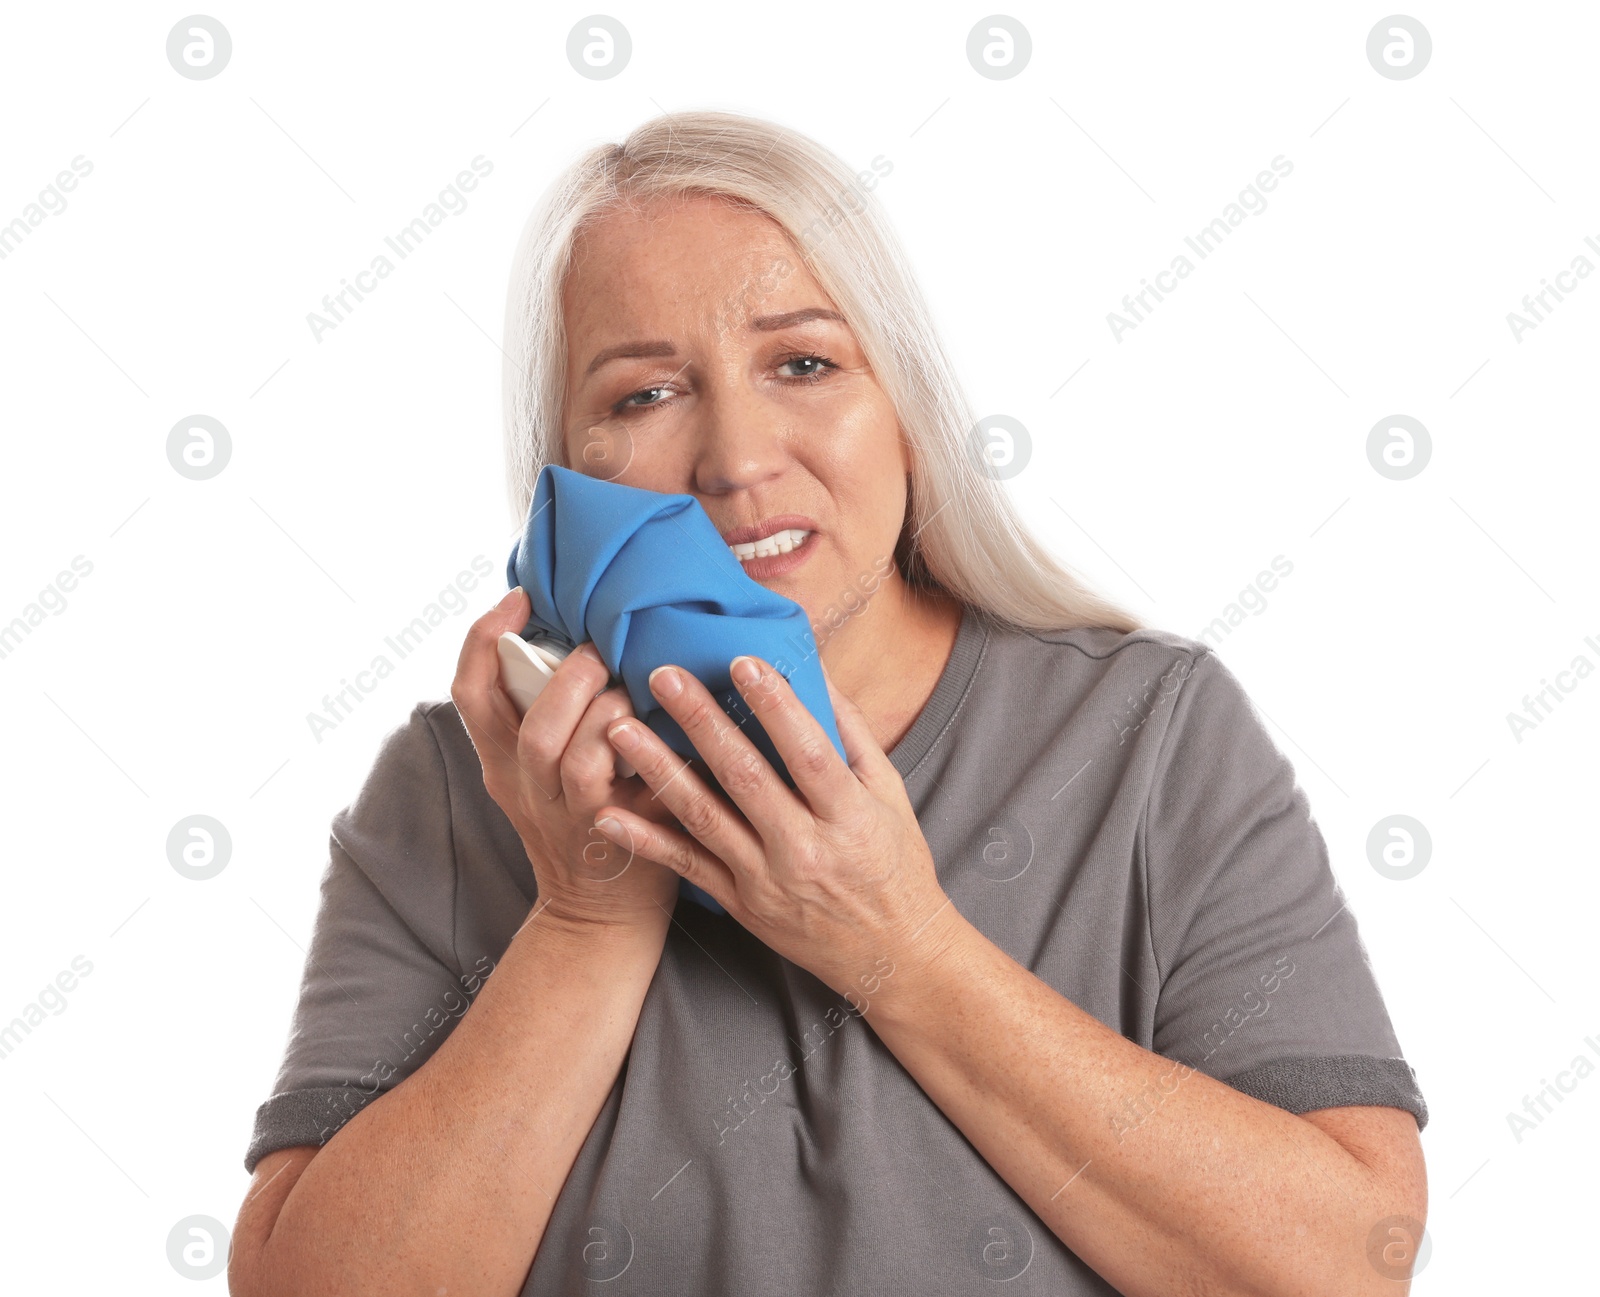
1228	428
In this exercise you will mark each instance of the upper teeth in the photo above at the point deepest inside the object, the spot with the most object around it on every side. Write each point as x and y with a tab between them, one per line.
780	542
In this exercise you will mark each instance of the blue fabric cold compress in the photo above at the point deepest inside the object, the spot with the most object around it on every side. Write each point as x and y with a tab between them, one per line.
650	580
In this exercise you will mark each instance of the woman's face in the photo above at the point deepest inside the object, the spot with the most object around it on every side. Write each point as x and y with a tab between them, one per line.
703	358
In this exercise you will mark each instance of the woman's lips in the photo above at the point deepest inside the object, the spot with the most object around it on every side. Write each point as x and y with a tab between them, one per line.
768	526
779	542
773	546
768	566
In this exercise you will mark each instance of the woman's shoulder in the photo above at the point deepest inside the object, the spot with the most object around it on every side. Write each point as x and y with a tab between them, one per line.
418	760
431	737
447	730
435	738
1045	677
1102	643
1014	690
425	831
1093	652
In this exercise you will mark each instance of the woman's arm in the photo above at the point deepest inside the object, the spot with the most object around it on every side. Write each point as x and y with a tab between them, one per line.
446	1182
1215	1194
1205	1191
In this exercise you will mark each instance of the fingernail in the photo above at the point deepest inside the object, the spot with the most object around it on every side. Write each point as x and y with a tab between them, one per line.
670	684
744	670
624	735
509	599
610	826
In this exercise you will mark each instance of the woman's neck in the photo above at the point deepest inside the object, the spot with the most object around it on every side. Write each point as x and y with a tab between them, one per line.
889	656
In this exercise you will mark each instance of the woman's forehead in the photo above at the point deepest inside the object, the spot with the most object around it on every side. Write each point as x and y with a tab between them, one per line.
698	239
709	261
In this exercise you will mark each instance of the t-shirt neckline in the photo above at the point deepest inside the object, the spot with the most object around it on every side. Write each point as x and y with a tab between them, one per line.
941	706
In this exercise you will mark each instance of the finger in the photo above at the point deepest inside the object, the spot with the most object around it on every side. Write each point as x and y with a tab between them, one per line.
815	765
677	851
867	758
734	761
548	726
589	763
707	818
487	712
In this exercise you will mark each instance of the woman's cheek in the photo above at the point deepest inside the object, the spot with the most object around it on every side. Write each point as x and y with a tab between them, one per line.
855	442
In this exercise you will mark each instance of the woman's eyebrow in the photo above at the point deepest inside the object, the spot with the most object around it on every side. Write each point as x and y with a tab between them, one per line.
629	350
769	323
662	348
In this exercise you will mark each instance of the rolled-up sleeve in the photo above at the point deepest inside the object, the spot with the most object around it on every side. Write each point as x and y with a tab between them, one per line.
1265	983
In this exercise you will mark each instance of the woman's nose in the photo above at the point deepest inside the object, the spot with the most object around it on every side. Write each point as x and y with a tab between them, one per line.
739	442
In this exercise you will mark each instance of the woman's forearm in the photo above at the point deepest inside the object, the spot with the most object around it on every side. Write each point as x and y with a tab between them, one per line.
1215	1193
446	1182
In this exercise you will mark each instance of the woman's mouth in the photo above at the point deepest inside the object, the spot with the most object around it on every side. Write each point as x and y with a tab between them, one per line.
780	542
773	548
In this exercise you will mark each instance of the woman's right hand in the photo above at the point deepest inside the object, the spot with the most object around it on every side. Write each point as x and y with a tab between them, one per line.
554	770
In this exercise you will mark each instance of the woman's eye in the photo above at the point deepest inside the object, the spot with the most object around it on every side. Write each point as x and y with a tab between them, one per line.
813	368
822	364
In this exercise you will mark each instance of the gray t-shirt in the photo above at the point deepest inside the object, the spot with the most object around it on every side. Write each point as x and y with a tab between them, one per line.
1105	807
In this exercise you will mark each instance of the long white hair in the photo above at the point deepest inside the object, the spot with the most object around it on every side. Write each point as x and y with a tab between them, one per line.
962	533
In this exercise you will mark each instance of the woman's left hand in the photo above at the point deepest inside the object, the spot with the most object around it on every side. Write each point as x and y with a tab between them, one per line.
834	874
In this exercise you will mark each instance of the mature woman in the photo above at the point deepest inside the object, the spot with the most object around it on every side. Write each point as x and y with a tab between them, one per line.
1050	977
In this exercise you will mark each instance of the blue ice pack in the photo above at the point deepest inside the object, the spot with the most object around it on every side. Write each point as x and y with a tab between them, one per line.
648	578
